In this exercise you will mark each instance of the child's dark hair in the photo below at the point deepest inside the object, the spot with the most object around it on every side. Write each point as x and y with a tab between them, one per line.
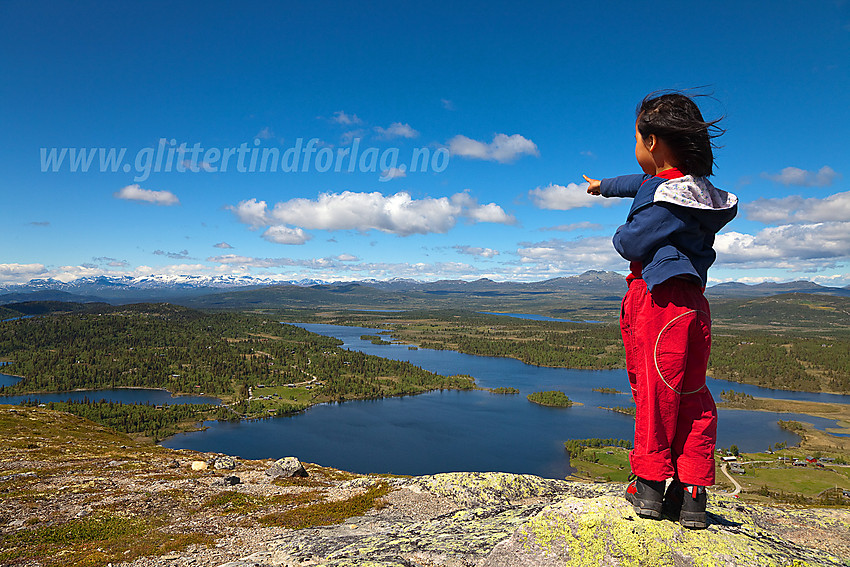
676	119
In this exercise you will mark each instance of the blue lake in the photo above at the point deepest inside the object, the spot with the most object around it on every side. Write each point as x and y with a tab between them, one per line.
123	395
534	317
17	318
470	431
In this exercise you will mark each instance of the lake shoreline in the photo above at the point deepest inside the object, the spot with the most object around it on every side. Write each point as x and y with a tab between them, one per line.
505	373
401	341
173	395
825	410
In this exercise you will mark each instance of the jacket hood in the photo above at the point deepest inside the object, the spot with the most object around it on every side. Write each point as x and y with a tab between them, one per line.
712	206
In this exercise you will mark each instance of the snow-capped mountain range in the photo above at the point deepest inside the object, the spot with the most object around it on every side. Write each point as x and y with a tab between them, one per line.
154	281
132	288
158	287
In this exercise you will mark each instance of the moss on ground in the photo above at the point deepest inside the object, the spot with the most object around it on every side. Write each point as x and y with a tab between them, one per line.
327	513
76	494
95	541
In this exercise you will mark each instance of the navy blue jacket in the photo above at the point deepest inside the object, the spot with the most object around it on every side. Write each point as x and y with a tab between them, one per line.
672	223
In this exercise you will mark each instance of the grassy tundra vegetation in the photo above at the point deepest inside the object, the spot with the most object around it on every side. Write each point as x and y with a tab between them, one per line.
78	494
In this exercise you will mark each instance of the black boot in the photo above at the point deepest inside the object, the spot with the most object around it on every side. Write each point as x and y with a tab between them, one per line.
646	496
692	514
673	500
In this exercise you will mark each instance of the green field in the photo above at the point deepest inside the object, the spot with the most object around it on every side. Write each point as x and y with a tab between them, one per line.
612	465
280	400
766	479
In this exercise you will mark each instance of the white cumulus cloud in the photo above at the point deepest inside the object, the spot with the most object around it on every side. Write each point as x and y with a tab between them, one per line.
801	209
398	214
341	117
265	134
490	212
21	271
396	130
252	213
572	255
796	176
563	198
791	246
280	234
393	173
503	148
476	251
573	226
136	193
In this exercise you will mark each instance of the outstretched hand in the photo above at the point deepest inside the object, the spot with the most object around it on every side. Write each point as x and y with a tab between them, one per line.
593	185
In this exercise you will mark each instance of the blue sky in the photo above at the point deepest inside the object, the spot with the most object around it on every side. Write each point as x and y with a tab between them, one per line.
504	105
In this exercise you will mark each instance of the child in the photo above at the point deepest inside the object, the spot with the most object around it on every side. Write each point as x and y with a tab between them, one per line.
665	320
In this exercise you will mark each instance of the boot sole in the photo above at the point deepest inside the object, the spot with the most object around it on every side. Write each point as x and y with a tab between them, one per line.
694	521
647	512
645	508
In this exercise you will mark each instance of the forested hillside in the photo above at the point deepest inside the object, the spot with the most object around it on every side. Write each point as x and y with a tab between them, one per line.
186	351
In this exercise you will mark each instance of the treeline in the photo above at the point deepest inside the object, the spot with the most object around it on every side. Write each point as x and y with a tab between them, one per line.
791	425
156	422
552	398
584	449
784	362
186	351
625	410
833	497
375	340
584	346
504	390
355	375
164	347
792	360
736	398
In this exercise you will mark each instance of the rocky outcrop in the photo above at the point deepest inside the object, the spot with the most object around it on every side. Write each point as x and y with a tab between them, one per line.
286	467
60	474
506	520
225	462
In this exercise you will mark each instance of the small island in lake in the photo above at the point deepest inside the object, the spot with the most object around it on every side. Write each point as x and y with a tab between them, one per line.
625	410
504	390
375	340
606	390
551	398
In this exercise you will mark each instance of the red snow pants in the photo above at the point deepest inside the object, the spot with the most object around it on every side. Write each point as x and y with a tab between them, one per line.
667	335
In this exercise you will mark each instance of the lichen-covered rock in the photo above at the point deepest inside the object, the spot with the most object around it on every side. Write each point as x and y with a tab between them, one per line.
458	539
505	520
286	467
605	531
495	488
225	463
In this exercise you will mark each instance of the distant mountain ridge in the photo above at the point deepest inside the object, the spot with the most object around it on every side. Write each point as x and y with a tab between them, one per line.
736	289
127	289
124	289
